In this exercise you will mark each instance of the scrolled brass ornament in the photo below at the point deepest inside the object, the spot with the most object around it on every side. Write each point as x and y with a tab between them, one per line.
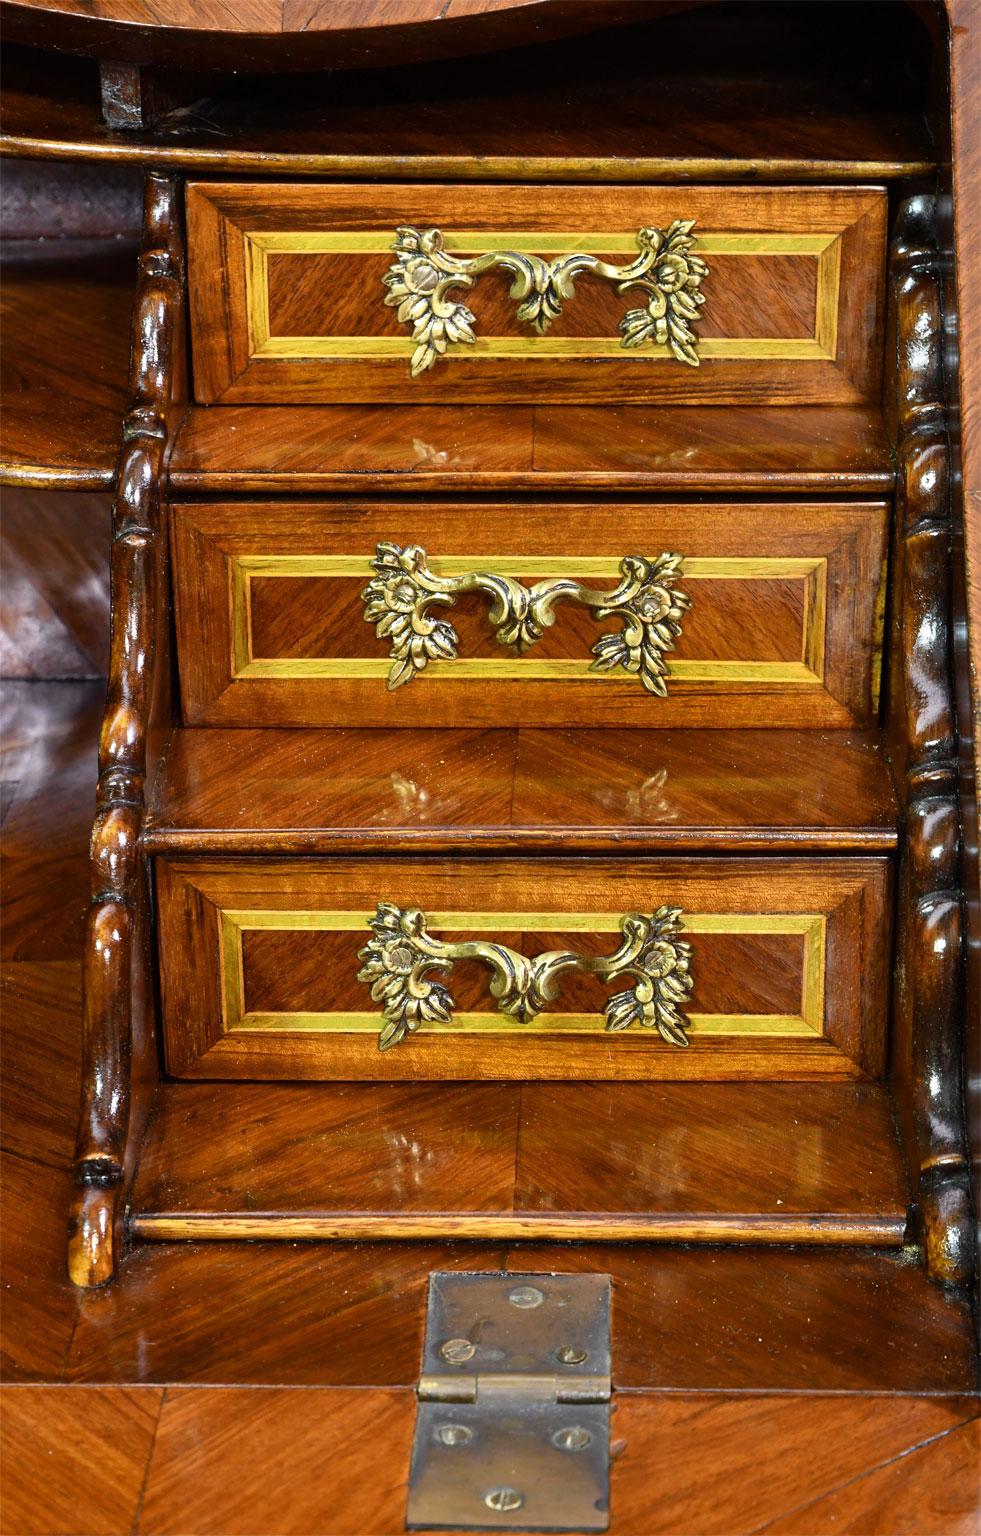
424	273
400	957
404	588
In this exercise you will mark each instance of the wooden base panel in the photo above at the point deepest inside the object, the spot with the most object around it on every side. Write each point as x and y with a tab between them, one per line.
358	1226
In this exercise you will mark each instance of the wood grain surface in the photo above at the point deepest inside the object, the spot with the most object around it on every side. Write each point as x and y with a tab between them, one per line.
66	311
732	102
252	308
357	450
781	630
766	1163
337	791
730	1465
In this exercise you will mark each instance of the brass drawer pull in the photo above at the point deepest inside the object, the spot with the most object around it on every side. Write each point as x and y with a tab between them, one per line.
397	962
403	589
422	274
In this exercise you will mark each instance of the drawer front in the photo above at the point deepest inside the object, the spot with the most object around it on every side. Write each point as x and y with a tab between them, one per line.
299	614
667	969
484	293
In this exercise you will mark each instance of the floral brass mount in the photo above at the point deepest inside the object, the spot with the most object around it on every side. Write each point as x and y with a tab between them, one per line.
398	960
423	273
397	600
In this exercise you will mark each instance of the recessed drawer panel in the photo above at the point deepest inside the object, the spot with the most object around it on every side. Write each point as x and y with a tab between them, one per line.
576	614
667	969
484	293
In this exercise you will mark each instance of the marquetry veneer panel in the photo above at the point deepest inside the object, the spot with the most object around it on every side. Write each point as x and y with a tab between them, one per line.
259	963
287	295
783	627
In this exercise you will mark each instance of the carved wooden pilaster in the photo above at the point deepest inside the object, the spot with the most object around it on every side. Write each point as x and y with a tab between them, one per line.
118	1047
927	1056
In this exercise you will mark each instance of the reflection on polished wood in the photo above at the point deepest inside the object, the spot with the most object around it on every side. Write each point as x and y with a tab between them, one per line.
681	449
335	791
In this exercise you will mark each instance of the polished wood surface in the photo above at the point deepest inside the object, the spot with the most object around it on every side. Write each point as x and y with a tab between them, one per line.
301	34
732	102
221	1010
119	1053
54	613
928	1049
253	308
338	791
761	1162
828	1464
66	314
271	627
367	449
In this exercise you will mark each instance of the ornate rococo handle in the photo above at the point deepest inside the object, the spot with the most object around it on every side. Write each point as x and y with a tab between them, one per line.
423	273
397	601
399	958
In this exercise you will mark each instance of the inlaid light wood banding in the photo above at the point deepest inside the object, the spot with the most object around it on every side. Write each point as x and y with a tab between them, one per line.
809	670
807	1024
259	244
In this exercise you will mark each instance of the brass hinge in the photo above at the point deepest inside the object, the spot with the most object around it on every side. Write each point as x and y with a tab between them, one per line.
513	1420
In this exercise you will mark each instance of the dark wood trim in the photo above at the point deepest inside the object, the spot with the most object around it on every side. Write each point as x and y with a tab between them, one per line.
118	1047
927	1045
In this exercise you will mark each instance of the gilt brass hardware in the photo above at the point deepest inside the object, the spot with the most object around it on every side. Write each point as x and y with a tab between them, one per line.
423	273
399	958
404	588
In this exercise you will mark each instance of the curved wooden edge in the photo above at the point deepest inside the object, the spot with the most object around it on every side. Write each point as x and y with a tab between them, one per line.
560	168
574	1226
114	943
929	960
49	477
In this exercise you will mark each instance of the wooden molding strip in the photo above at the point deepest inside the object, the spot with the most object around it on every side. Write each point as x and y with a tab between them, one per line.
643	1227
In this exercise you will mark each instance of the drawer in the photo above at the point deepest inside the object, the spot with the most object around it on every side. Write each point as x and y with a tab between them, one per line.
711	968
522	614
525	293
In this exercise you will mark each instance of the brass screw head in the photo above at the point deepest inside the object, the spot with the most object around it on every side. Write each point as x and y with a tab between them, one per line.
526	1296
454	1434
575	1438
569	1355
457	1351
504	1499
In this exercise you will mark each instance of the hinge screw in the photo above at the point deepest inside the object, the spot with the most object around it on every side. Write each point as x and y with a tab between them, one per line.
457	1351
454	1434
504	1499
569	1355
526	1296
573	1439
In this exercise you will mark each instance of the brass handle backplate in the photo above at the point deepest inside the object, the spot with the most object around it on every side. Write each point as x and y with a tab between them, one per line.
423	272
397	601
398	960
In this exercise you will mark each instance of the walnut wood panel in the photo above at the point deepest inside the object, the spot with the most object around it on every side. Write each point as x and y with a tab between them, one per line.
727	1466
54	610
697	1318
811	1161
336	791
270	621
119	1053
682	449
63	387
838	907
732	103
75	1462
269	324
